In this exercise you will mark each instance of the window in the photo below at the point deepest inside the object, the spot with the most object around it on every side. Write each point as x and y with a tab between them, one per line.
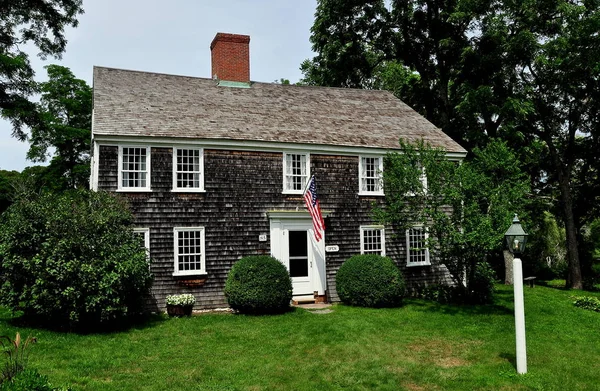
417	253
144	234
188	167
189	251
295	172
372	240
134	168
370	169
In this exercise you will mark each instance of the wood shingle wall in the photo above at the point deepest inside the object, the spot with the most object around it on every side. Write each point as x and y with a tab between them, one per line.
240	188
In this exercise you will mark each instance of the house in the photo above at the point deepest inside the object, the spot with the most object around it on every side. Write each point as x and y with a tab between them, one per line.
214	170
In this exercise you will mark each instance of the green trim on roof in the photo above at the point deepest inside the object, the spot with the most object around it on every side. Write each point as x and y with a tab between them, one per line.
235	84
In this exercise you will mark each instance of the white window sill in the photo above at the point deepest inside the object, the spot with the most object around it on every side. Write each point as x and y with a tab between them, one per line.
190	273
293	192
377	194
134	190
418	264
188	190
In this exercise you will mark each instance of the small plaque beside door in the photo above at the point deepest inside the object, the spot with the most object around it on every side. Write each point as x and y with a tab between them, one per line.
332	249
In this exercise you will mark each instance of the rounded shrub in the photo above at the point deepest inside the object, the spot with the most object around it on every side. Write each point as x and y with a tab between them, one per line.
370	280
259	284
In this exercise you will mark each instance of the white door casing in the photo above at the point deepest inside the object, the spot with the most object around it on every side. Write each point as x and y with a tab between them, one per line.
296	226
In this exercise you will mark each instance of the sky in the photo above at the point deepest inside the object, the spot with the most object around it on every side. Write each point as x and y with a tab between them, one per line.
174	37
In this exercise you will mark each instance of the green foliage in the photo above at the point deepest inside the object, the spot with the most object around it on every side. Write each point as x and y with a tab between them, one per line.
370	280
587	302
467	207
258	284
72	258
30	380
7	188
483	284
16	355
547	255
35	23
66	111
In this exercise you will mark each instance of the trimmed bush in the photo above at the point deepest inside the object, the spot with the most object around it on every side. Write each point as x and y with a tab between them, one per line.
259	284
72	259
483	284
370	280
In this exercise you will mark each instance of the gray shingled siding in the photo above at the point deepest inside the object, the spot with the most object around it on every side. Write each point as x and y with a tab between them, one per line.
240	188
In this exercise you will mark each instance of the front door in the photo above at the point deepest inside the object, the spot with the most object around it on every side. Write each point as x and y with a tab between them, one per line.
300	265
293	244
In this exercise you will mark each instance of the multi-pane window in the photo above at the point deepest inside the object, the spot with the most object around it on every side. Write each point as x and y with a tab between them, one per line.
189	250
134	170
188	167
417	253
372	240
295	172
144	235
370	169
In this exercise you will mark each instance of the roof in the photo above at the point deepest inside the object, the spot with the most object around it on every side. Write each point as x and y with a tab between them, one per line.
133	103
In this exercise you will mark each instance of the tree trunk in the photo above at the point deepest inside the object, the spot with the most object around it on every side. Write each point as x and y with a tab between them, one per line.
508	267
574	279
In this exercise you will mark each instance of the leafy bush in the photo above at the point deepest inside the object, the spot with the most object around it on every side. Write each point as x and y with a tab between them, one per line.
16	354
587	302
370	280
29	380
440	293
72	258
482	286
258	284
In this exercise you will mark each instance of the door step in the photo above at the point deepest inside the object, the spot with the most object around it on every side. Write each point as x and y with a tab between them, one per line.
308	299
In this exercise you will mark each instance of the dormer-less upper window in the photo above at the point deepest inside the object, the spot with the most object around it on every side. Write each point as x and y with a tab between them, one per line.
296	171
134	168
370	169
188	169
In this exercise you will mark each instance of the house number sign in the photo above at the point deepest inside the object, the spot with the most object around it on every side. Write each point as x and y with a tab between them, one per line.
332	249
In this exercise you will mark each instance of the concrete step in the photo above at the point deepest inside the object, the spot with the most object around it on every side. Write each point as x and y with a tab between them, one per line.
297	300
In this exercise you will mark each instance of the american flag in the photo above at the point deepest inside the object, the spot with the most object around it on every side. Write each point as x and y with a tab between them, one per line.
312	203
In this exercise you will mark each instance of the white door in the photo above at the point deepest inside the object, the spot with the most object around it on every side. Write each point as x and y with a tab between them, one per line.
299	261
293	244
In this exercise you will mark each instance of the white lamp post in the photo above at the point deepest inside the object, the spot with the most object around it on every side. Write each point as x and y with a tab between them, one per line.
516	238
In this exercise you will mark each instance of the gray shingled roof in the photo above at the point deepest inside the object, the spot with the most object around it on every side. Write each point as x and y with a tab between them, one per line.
132	103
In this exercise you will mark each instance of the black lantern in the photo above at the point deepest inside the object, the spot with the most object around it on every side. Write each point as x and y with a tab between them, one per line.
516	238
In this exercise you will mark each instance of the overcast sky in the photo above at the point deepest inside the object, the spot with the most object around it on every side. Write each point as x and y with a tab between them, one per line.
174	37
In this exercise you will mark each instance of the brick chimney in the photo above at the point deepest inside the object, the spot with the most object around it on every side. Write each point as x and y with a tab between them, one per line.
230	56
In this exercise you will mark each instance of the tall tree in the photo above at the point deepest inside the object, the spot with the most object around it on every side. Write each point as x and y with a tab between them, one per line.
65	109
524	71
41	23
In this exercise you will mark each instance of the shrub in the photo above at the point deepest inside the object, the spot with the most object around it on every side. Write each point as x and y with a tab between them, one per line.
482	286
72	259
587	302
257	285
29	380
370	281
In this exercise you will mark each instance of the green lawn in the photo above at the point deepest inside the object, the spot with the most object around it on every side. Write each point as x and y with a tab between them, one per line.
420	346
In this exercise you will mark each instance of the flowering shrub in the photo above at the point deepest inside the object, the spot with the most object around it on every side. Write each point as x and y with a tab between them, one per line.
185	299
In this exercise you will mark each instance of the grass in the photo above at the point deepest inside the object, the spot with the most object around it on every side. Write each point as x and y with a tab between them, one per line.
420	346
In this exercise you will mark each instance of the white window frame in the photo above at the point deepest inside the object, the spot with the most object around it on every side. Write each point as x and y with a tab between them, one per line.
427	260
146	233
362	178
285	175
176	271
199	189
366	228
120	186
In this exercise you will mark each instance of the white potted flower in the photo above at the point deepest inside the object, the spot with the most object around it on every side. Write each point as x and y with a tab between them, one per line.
180	305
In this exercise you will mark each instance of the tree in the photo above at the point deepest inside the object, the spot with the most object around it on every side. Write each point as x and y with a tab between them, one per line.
65	110
72	258
466	208
7	191
525	72
41	23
